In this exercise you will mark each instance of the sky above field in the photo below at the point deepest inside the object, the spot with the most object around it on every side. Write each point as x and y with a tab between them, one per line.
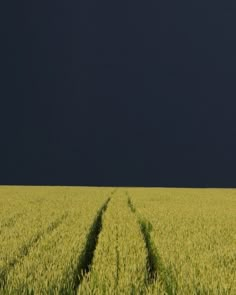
119	93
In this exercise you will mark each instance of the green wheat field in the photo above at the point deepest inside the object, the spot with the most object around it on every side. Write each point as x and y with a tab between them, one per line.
81	240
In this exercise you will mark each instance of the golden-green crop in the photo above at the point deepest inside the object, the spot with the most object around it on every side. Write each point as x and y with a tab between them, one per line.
81	240
119	265
194	233
40	251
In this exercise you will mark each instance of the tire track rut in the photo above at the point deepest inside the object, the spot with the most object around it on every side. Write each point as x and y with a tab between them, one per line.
155	267
26	248
85	260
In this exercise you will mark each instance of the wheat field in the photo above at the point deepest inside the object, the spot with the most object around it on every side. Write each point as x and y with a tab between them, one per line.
90	240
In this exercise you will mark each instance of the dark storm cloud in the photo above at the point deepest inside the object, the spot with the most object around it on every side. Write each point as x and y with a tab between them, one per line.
125	93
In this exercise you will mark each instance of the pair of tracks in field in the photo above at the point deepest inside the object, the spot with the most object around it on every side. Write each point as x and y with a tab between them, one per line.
155	267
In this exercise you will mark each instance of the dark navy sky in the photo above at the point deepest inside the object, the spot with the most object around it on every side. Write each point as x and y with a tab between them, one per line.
138	93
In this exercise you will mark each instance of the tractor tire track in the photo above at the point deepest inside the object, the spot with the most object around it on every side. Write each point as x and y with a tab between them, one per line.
26	248
155	267
10	222
86	258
